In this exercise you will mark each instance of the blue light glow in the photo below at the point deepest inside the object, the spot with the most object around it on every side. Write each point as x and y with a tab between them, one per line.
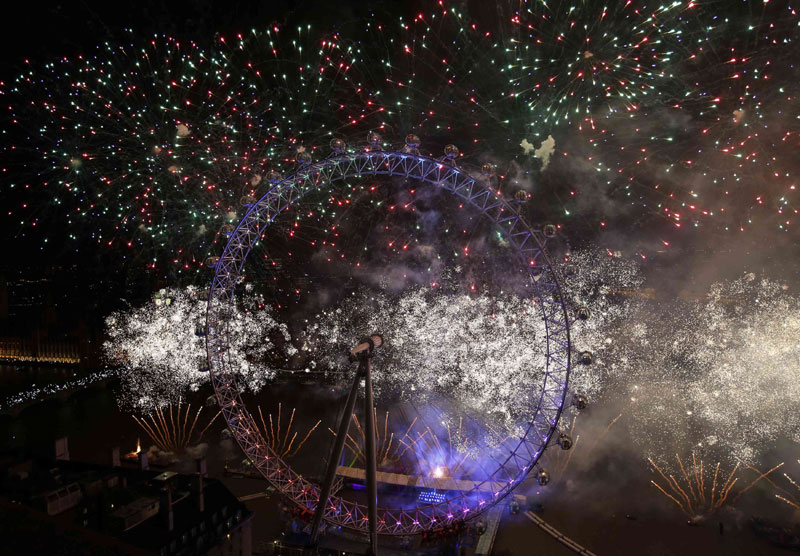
431	496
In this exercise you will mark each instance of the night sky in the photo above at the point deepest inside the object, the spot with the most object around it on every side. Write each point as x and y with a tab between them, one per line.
658	143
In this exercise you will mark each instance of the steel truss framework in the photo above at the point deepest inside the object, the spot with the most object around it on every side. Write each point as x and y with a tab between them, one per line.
513	467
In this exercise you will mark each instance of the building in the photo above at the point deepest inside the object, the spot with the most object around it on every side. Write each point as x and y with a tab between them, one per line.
44	319
119	510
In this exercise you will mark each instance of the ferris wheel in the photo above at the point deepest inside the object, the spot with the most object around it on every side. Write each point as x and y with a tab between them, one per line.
472	189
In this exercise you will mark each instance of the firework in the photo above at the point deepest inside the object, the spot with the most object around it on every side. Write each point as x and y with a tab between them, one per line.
436	77
283	442
713	392
696	497
161	345
417	445
789	496
440	455
302	85
476	358
791	499
149	147
388	449
694	371
137	145
679	111
718	156
172	431
717	392
568	61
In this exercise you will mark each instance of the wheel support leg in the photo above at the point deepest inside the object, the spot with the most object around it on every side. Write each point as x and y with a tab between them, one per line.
336	453
372	468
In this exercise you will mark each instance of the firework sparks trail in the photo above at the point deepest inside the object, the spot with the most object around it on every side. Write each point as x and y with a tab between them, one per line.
756	480
429	453
172	435
785	496
793	504
272	434
790	499
720	157
388	453
696	504
566	63
440	455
